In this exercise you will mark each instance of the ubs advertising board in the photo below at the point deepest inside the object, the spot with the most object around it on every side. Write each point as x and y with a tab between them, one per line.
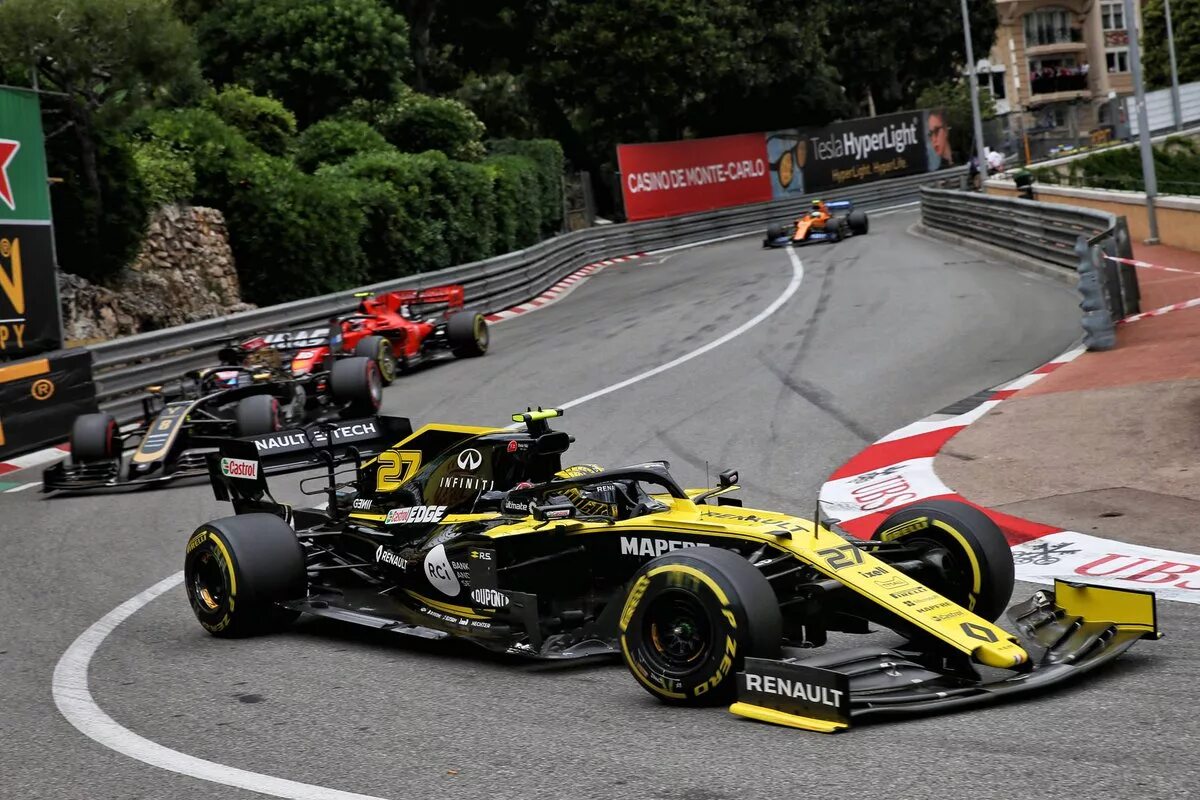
672	178
29	313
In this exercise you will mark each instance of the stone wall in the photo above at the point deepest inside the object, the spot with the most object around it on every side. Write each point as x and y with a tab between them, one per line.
183	272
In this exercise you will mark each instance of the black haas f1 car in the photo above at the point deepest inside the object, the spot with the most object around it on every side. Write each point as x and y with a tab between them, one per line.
399	330
825	222
480	534
185	420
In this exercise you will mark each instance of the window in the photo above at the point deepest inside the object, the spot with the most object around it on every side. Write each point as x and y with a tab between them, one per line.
1112	17
1118	60
1051	26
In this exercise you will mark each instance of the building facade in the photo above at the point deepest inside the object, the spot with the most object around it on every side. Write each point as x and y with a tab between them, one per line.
1056	71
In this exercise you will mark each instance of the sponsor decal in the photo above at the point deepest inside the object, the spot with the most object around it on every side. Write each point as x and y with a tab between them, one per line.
361	504
638	546
1042	554
515	506
439	573
512	446
239	468
879	490
492	598
299	439
385	556
794	689
414	514
467	483
197	540
8	151
469	459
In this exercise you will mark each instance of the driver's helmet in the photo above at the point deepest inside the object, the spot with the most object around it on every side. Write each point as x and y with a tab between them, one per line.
818	208
596	500
224	378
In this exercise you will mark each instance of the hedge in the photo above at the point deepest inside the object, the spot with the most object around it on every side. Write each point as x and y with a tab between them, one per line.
547	154
332	141
1176	163
264	121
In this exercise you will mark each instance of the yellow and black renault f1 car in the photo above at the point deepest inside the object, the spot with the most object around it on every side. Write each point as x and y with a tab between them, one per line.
184	420
824	222
479	533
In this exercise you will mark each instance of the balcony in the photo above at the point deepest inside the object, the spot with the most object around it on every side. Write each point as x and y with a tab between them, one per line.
1059	83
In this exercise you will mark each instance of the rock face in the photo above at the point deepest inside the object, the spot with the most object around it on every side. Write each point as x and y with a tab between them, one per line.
184	272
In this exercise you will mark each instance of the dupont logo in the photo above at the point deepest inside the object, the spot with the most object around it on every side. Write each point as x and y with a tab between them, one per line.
239	468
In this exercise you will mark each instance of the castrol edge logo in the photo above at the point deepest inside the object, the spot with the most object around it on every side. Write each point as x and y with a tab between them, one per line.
239	468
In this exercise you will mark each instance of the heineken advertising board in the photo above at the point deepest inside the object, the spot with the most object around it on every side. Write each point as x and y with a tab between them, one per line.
29	313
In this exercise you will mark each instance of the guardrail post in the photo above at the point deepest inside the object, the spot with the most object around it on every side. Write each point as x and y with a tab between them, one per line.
1099	333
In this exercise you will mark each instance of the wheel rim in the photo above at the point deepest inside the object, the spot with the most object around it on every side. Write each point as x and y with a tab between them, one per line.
387	362
481	332
678	632
208	583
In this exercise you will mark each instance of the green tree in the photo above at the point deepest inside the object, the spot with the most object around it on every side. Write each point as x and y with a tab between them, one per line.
314	55
1185	20
332	141
888	51
264	121
419	122
108	58
954	96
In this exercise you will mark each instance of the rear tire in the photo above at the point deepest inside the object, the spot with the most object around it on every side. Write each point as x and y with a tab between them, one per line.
980	572
859	224
691	618
467	334
237	569
256	415
94	438
357	383
380	349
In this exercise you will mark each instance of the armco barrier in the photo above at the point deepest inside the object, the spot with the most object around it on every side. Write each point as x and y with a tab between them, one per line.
1043	231
124	366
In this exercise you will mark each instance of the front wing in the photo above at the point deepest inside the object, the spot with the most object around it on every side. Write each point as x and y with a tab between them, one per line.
810	238
1071	630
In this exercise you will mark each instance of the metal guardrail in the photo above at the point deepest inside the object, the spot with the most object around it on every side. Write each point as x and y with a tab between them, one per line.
124	366
1043	231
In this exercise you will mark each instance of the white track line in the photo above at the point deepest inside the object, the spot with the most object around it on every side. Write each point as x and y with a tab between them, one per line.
76	704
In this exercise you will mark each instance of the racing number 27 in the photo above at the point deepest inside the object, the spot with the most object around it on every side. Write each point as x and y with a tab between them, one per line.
845	555
396	467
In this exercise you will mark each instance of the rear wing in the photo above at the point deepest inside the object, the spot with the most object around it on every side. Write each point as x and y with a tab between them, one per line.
435	298
239	468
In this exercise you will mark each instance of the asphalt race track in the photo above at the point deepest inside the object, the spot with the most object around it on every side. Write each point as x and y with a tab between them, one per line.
882	331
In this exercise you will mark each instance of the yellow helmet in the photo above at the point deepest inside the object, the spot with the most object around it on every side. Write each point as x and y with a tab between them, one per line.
597	500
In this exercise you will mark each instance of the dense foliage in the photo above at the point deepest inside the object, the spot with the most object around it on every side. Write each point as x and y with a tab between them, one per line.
1185	21
357	140
1176	164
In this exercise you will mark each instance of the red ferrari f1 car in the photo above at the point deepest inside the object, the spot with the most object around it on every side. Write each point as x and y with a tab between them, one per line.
399	330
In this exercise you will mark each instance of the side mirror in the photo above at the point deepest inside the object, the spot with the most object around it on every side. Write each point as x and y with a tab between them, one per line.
556	508
728	478
552	443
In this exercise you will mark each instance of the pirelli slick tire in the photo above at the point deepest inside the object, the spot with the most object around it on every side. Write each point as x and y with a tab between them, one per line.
774	232
94	438
379	349
690	619
357	383
237	569
256	415
859	224
467	334
977	565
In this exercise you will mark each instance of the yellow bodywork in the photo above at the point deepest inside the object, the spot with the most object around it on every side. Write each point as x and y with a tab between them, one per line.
825	551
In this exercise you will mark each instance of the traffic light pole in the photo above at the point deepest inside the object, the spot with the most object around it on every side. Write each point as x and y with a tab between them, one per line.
1148	175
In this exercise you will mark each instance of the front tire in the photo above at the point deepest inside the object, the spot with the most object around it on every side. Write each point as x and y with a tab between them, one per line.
256	415
94	438
467	334
238	569
379	349
690	620
859	224
978	572
357	383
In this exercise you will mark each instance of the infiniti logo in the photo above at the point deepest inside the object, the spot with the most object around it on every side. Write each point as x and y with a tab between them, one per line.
469	459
